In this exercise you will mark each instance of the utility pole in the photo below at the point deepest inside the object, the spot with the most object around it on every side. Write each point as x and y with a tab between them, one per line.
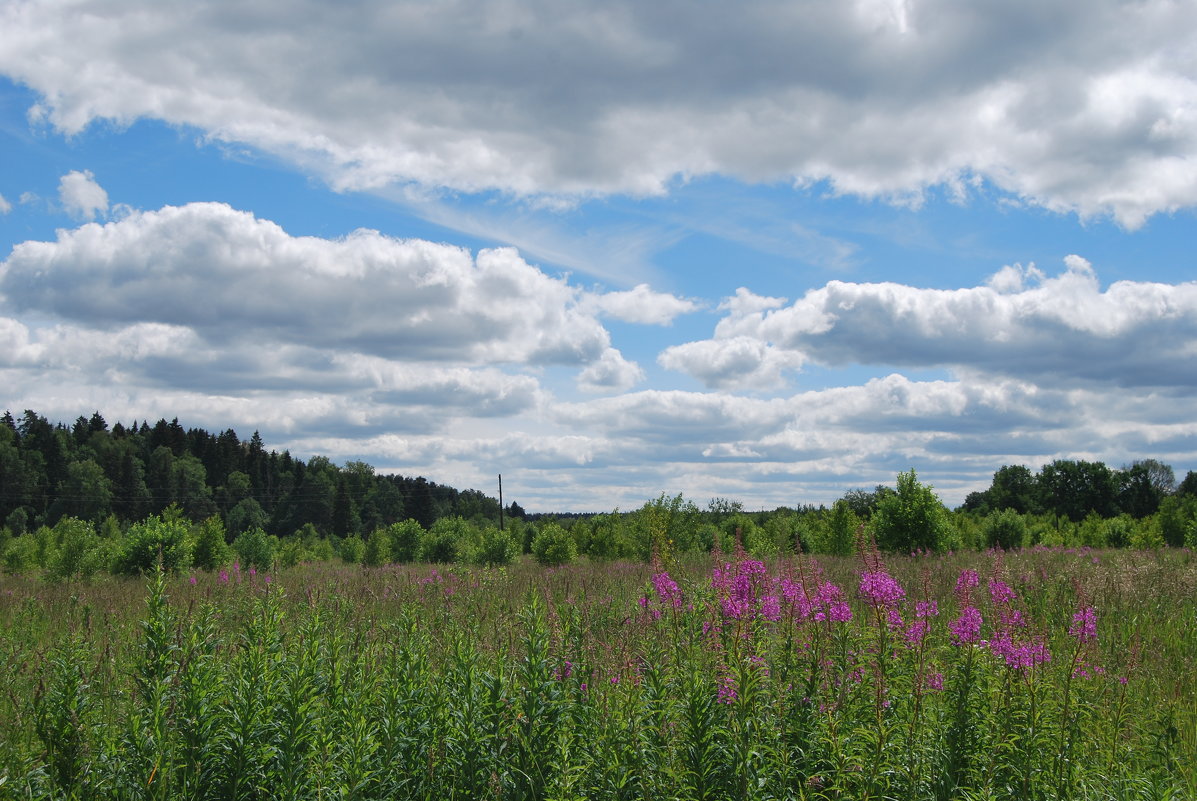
500	501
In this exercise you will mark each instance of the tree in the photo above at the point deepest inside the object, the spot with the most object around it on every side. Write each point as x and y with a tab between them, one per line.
912	518
86	493
1139	491
1074	488
1014	488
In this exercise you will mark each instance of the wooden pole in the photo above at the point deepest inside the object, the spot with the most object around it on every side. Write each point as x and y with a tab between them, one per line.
500	501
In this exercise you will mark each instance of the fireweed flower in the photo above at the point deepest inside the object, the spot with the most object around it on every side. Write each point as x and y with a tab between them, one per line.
1084	625
925	609
880	589
916	631
967	628
1021	655
966	582
1001	593
667	590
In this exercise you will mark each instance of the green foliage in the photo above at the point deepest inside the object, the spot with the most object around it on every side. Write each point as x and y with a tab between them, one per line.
443	542
912	519
255	548
378	548
79	552
246	514
1006	529
494	547
211	550
405	537
553	546
155	538
352	550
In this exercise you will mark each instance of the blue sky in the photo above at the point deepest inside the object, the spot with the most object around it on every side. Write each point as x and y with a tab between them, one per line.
771	252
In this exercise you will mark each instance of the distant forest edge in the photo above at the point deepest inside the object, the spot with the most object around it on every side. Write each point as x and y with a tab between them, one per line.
142	487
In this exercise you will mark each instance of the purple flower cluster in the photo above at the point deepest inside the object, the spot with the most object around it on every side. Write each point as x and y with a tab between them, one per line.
966	629
826	604
668	592
1021	654
740	587
881	590
1001	593
1084	625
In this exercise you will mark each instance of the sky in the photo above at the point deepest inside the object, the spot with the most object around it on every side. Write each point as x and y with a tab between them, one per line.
764	251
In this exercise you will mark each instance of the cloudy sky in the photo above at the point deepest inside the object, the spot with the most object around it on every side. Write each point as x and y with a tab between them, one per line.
770	251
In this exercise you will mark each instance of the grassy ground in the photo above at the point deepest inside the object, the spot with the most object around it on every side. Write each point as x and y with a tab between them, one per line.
835	678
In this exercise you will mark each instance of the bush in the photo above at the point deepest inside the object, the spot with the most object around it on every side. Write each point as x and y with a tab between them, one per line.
1005	529
143	544
211	551
255	548
443	542
79	553
352	550
912	519
378	548
554	546
495	547
405	539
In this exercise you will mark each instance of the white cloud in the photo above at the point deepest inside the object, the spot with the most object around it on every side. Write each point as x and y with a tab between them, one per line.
5	206
640	305
1075	106
1021	323
611	373
234	278
81	196
741	362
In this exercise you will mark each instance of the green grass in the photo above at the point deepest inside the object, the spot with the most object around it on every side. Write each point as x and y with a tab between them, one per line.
333	681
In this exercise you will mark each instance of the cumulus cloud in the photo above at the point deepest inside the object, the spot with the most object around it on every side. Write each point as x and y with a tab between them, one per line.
233	277
744	362
641	305
81	196
611	373
1064	328
1075	106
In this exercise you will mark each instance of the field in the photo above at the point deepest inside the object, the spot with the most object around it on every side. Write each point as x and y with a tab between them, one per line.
1043	673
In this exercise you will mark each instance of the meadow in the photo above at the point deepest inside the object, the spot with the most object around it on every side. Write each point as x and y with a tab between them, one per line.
1042	673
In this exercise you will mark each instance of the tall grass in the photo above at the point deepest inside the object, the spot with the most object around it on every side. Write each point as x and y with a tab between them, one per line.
712	679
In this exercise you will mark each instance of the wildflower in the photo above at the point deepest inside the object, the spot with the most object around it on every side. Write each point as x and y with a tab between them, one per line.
224	577
967	581
916	631
924	609
193	581
880	589
935	682
966	628
1001	593
667	590
1021	655
727	691
1084	625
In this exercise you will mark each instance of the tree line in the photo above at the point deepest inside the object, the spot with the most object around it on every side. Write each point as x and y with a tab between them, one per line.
74	500
94	472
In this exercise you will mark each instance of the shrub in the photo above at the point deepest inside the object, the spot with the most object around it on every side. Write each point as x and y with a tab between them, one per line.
554	546
211	550
378	548
1005	529
494	547
352	550
255	548
405	539
79	553
912	519
443	542
143	544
